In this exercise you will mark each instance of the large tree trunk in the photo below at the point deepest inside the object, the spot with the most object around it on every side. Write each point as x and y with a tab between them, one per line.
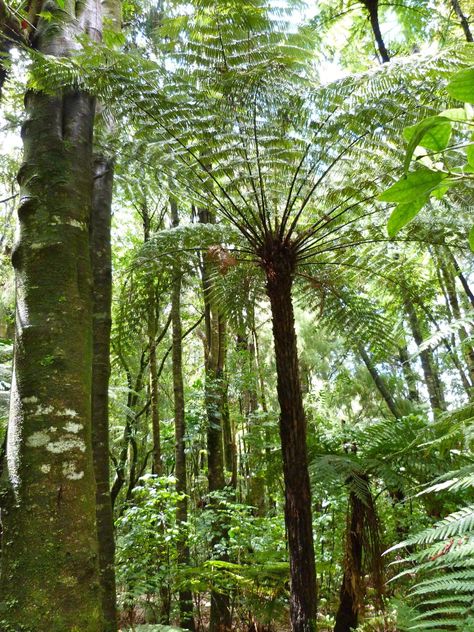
49	576
293	442
185	596
101	257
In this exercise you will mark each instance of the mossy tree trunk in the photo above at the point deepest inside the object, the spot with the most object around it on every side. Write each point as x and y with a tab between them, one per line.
49	578
101	258
279	264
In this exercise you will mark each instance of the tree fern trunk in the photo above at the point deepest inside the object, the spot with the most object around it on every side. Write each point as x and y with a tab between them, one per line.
101	257
293	441
50	578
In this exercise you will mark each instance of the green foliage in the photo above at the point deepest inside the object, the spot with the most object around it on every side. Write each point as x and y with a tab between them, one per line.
433	133
147	534
442	561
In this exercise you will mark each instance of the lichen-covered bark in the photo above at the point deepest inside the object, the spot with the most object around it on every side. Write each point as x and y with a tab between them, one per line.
101	258
279	271
49	578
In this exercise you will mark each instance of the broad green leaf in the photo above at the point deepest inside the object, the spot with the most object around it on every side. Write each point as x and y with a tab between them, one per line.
403	214
432	133
441	190
415	185
471	239
458	115
461	85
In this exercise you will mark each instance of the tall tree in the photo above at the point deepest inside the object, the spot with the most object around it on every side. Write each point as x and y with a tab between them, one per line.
49	578
214	357
185	596
101	258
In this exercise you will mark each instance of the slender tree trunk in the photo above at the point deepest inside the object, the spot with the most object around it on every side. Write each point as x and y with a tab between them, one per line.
230	450
49	576
10	32
379	382
453	303
372	7
220	617
462	20
185	596
430	371
462	278
293	441
101	258
347	616
157	467
362	542
130	422
409	374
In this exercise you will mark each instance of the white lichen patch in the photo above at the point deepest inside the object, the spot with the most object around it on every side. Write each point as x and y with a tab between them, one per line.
37	439
29	400
65	444
69	471
53	429
72	427
44	410
45	468
69	221
68	412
